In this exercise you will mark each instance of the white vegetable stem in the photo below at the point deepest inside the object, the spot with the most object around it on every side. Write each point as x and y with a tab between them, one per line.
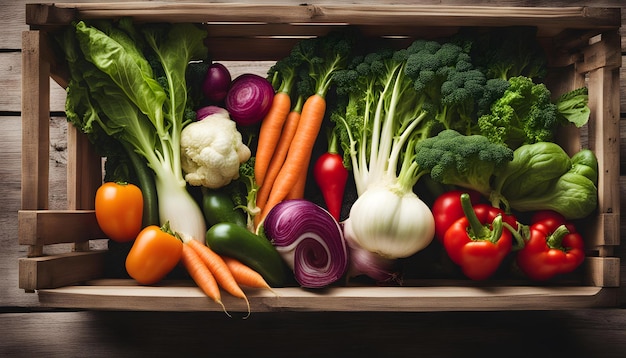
177	207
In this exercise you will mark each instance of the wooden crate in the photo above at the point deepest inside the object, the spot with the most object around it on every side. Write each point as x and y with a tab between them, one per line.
584	49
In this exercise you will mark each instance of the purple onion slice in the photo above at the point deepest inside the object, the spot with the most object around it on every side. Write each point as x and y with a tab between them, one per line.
310	241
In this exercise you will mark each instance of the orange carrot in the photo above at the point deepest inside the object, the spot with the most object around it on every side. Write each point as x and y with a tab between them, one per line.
219	269
201	275
269	134
299	152
297	191
244	275
289	130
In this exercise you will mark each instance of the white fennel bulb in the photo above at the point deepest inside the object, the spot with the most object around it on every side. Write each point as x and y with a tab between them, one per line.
393	224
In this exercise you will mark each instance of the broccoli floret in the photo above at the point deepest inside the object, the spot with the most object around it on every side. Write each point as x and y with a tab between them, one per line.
523	115
446	75
468	161
494	89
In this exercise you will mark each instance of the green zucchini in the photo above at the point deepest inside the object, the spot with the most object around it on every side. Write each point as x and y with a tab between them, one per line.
217	207
258	253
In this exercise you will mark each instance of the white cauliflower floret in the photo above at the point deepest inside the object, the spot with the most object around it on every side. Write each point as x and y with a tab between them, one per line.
212	150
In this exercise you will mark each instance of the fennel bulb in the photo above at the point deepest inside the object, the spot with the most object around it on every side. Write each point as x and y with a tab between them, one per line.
390	223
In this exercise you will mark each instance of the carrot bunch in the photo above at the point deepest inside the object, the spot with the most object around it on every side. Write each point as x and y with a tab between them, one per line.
287	136
211	272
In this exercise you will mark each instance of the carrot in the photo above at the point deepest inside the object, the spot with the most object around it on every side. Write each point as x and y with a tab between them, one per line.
289	130
269	134
299	151
219	269
244	275
201	275
297	191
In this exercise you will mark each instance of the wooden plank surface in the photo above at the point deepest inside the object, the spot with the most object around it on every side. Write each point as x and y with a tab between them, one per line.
27	329
540	334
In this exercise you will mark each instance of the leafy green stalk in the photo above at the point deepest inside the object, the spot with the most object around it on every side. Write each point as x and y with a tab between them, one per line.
116	91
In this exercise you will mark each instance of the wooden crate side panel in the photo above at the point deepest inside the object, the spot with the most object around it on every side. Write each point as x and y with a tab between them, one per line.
84	170
35	117
60	270
604	140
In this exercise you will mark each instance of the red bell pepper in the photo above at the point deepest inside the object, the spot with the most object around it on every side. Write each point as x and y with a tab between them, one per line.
447	209
553	248
479	241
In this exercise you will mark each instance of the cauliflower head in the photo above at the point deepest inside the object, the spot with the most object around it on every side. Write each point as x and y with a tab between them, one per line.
212	150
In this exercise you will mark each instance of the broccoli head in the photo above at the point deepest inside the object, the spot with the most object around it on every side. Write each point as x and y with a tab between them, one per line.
524	114
454	89
467	161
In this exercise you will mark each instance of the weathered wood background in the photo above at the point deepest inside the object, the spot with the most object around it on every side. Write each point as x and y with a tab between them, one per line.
27	329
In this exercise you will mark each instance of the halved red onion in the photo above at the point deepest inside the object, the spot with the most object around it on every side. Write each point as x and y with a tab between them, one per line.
310	241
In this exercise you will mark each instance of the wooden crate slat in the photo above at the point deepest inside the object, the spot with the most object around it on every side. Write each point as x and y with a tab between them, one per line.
35	117
60	270
604	135
425	15
84	170
177	297
46	227
602	271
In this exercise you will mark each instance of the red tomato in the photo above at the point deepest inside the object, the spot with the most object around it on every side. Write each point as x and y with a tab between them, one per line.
154	254
119	210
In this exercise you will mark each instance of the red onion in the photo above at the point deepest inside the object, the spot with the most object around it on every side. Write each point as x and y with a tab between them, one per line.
249	99
216	82
206	111
310	241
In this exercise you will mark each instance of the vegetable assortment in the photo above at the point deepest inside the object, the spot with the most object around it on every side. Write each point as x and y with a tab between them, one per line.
469	113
